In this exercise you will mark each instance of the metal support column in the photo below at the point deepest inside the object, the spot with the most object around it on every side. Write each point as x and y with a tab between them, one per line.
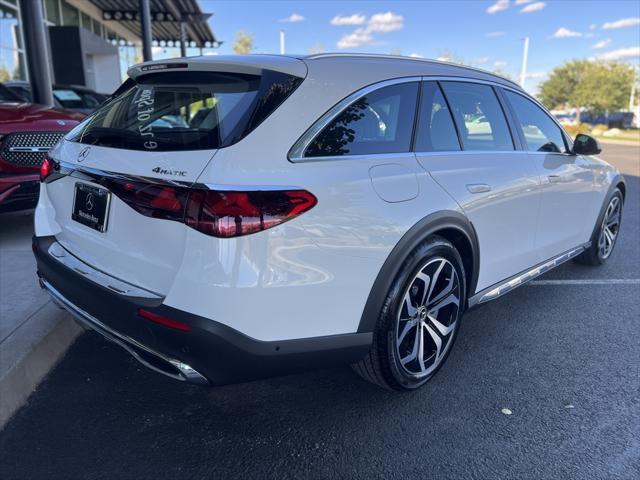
145	26
37	46
183	38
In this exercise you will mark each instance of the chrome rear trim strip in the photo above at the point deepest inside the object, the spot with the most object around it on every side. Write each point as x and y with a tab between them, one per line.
59	253
500	289
183	371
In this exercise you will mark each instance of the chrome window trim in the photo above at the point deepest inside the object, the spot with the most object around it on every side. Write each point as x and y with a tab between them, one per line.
296	153
365	156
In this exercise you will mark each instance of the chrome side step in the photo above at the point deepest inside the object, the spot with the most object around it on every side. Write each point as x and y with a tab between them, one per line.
149	358
509	284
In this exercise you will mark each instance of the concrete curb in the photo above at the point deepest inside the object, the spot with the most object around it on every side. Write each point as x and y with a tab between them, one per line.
30	352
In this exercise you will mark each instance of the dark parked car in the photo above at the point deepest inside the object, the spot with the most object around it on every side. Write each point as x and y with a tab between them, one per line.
27	132
73	97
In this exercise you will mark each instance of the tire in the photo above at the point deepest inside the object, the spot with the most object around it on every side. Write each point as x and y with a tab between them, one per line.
605	236
433	270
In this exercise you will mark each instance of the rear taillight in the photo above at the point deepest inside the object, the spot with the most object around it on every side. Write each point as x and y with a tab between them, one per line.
150	199
232	214
213	212
46	168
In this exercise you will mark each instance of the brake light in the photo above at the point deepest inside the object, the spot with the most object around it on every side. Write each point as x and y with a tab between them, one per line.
46	168
164	321
232	214
217	213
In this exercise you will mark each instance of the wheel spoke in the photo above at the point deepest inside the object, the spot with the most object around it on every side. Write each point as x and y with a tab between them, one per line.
444	330
448	300
414	351
434	281
420	333
411	310
427	284
407	328
438	342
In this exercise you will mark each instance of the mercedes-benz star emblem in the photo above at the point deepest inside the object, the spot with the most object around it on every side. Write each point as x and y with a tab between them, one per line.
88	202
83	154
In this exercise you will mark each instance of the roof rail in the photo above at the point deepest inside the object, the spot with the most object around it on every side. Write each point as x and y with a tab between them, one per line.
383	56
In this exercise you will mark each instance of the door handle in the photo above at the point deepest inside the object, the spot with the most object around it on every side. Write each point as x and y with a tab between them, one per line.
555	178
478	187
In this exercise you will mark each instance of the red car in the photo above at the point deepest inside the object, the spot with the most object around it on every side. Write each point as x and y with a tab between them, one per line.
27	132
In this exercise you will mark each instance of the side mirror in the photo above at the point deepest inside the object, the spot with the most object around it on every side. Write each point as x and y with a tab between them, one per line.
586	145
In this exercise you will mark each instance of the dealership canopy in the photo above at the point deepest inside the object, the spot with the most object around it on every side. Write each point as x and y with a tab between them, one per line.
171	20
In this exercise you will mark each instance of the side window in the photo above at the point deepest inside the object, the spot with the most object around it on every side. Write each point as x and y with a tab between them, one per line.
436	132
540	132
478	115
379	122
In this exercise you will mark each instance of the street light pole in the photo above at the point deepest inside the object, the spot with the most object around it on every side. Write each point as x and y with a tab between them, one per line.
281	42
525	57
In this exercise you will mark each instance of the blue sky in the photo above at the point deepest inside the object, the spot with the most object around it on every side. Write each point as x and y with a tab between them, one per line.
487	34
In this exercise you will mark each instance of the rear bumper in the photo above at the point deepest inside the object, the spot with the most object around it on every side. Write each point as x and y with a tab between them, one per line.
210	353
18	192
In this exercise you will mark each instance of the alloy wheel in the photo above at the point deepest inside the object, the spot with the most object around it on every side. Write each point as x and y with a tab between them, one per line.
610	228
427	317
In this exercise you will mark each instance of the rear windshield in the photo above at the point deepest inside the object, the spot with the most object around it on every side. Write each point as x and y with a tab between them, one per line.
185	110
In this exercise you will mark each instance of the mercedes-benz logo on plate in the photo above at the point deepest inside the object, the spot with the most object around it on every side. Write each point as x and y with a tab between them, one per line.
89	201
83	154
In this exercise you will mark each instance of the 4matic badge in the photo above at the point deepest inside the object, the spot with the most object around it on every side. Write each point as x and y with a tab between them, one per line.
175	173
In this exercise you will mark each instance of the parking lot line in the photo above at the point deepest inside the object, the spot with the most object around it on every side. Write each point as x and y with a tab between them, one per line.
589	281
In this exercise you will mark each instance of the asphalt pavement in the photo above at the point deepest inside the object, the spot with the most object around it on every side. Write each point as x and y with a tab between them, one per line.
541	384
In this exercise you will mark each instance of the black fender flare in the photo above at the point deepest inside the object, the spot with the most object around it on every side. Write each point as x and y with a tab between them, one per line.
447	219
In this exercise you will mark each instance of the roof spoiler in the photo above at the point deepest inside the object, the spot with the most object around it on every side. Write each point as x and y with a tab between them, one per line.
248	64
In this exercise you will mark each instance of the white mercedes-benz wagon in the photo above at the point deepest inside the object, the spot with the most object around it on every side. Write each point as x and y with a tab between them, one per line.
230	218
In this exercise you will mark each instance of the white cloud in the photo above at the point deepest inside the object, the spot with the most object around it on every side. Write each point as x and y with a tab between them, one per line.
522	2
499	64
620	54
602	43
622	23
533	7
495	34
499	6
480	61
536	74
385	22
416	55
359	38
341	20
593	26
293	18
377	23
566	33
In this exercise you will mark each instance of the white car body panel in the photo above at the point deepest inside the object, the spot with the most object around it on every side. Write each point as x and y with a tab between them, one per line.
312	276
505	216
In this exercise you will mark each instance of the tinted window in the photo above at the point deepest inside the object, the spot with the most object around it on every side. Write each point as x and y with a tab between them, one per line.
185	110
379	122
478	115
436	132
540	132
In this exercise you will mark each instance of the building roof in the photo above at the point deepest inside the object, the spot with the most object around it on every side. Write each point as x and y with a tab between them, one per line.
165	19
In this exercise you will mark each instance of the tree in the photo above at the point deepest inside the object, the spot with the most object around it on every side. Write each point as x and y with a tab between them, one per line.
595	86
243	43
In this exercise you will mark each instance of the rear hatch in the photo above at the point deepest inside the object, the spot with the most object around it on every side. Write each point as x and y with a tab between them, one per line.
134	161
